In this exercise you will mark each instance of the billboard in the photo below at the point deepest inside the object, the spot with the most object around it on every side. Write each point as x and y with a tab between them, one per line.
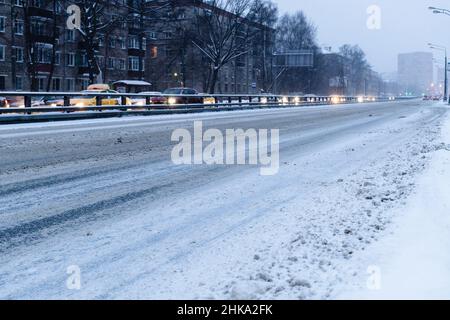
294	59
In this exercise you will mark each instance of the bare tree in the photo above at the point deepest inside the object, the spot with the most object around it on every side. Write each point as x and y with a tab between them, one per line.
222	34
95	20
143	14
358	68
30	53
265	14
294	33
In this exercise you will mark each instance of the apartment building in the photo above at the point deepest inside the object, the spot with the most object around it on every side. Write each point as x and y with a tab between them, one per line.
144	42
415	72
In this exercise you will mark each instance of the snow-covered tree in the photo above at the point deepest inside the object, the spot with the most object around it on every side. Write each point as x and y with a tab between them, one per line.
222	34
95	20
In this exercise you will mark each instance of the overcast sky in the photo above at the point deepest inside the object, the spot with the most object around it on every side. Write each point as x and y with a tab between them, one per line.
406	25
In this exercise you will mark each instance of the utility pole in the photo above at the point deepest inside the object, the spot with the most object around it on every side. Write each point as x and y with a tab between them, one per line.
445	12
446	98
443	49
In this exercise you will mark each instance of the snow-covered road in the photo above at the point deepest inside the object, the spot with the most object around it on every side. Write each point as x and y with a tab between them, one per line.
104	196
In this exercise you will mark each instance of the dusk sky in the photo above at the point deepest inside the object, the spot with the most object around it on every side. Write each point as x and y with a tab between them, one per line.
406	25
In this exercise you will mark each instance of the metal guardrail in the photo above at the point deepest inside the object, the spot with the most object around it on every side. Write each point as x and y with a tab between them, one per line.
45	106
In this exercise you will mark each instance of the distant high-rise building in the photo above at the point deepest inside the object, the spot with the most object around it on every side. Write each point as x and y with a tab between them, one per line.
415	72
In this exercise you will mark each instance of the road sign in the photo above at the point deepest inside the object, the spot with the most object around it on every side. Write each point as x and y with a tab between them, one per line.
294	59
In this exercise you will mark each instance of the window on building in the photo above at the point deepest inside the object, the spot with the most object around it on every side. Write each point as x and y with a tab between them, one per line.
2	52
2	82
121	43
18	27
133	63
57	58
101	40
2	24
111	63
70	35
56	84
154	52
18	54
70	85
19	83
112	42
121	65
70	59
42	84
44	53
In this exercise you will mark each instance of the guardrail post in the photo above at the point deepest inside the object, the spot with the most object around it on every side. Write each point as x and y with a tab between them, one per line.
98	100
27	101
66	101
124	100
148	100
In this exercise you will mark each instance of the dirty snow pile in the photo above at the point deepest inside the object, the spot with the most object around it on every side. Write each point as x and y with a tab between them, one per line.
413	262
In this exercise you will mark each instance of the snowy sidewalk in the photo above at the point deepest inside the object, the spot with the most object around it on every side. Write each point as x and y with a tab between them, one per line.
413	262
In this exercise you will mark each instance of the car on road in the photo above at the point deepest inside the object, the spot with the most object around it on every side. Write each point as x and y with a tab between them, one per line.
19	102
311	98
4	103
155	98
186	96
87	98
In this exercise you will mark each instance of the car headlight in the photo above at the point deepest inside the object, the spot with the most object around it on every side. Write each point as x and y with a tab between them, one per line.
335	100
140	103
360	99
172	100
264	100
79	104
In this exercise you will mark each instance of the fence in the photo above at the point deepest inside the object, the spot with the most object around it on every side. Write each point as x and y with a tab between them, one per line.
29	106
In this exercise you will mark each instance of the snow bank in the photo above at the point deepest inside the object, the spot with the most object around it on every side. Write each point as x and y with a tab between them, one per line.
414	260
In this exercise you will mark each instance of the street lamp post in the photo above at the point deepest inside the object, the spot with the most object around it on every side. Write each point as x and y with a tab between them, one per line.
444	49
446	12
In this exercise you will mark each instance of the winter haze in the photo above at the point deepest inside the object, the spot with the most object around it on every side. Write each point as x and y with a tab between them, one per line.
406	26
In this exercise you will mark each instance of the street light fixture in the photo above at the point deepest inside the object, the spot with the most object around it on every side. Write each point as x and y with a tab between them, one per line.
439	10
444	49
